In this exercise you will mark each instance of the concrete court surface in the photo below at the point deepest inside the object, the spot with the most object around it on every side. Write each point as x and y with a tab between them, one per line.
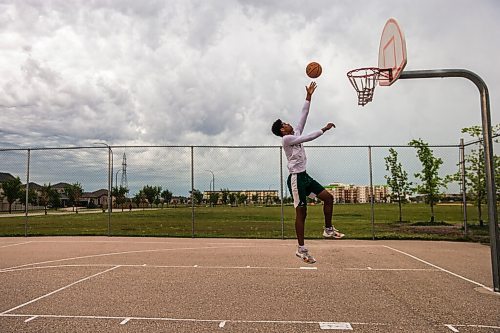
118	284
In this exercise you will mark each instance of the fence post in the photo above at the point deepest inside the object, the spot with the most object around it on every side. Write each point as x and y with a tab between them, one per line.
281	185
27	194
464	189
192	191
110	187
371	192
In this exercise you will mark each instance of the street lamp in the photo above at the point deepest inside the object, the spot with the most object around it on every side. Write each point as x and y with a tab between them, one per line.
116	178
213	180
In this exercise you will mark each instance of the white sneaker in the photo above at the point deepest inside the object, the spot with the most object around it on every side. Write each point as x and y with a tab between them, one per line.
305	256
332	233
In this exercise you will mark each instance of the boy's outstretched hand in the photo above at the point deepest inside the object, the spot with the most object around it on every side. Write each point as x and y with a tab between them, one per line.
310	90
327	127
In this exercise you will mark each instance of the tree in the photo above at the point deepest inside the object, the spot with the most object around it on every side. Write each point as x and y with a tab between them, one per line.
475	178
55	199
120	195
197	196
44	196
32	196
397	180
167	197
232	198
225	196
242	198
255	198
74	193
431	182
214	198
12	191
140	198
151	193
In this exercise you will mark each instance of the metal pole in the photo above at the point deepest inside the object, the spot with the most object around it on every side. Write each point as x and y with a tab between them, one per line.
488	155
110	181
281	189
213	180
110	185
192	191
464	186
27	194
372	213
116	178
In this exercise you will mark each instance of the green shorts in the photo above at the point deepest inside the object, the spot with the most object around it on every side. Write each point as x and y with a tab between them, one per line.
301	185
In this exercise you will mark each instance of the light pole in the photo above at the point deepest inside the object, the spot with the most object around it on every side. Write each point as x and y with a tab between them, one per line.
110	181
213	180
116	178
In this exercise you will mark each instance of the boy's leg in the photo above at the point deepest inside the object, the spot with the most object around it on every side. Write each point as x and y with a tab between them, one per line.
300	221
329	231
327	199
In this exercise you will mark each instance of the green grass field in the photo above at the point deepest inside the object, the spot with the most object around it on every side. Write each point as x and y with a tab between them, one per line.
255	222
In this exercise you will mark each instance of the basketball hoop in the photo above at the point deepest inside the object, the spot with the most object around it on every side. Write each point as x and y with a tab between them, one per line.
364	80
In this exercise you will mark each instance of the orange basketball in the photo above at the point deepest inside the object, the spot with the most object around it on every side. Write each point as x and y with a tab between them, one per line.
313	70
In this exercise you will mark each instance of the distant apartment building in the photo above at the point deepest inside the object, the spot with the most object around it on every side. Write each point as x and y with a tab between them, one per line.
349	193
252	196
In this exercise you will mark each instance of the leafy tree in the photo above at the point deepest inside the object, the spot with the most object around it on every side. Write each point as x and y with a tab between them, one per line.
475	178
225	196
120	195
55	199
397	180
44	196
140	198
255	198
214	198
12	191
197	196
32	196
431	182
167	196
151	193
242	198
232	198
74	193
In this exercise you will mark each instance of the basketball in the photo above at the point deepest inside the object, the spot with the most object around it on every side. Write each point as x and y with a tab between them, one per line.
313	70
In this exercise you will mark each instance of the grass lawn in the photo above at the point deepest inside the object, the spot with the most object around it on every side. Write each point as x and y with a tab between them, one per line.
256	222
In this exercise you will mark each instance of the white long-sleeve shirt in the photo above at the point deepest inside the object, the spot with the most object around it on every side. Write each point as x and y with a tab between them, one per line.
292	143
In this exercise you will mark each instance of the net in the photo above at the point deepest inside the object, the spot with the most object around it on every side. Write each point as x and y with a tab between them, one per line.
364	80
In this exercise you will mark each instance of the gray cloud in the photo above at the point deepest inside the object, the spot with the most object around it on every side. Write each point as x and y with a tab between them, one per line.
210	72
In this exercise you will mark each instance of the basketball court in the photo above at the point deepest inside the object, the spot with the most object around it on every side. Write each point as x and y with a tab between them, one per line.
102	284
99	284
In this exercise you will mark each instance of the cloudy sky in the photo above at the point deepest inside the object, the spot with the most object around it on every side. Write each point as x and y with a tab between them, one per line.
212	72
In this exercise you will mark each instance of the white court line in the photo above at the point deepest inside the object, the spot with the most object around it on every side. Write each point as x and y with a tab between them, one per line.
158	266
30	319
14	244
221	321
335	326
443	270
119	253
124	321
453	329
58	290
222	324
393	269
475	326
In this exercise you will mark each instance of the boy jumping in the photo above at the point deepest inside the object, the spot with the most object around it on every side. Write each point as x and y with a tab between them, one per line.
299	182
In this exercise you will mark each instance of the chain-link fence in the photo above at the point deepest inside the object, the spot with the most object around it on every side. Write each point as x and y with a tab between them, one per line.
227	191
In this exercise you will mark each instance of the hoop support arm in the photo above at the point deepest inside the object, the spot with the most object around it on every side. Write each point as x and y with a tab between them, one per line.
488	154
